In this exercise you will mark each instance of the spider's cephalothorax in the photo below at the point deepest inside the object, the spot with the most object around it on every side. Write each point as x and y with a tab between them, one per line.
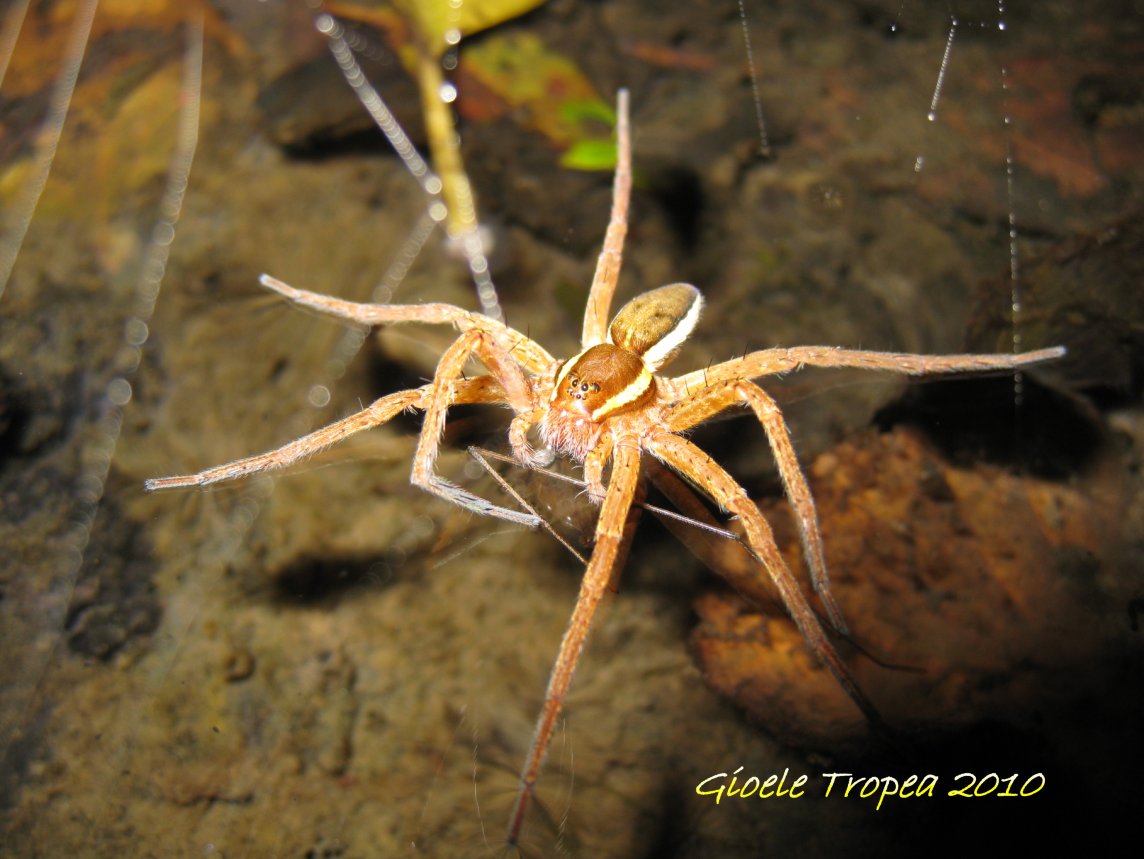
609	380
606	405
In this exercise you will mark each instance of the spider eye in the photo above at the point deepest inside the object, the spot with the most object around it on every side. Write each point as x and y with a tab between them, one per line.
576	387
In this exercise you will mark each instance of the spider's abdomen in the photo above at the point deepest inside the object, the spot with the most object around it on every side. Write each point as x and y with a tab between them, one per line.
600	382
655	324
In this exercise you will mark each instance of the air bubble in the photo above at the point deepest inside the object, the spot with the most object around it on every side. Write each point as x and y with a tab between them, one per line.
319	396
155	270
88	488
119	391
164	234
136	332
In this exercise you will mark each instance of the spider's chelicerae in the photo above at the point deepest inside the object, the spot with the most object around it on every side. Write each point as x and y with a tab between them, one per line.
609	405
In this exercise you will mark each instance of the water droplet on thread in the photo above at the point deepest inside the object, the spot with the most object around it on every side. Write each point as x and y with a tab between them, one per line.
119	391
319	396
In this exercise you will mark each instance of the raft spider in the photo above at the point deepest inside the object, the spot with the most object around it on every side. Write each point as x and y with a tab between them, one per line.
609	404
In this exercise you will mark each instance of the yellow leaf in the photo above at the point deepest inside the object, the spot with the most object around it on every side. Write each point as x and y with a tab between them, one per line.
442	23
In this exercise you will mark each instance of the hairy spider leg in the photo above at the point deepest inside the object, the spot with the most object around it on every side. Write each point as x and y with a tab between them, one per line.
526	351
710	477
492	342
472	342
611	531
596	313
705	537
719	397
770	362
498	347
469	391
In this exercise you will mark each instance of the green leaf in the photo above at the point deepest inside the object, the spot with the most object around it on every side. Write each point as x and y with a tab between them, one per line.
590	155
547	89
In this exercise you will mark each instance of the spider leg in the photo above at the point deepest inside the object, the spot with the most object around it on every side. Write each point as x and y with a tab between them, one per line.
708	475
728	554
367	314
611	256
480	390
717	398
611	536
798	491
526	351
769	362
378	412
442	394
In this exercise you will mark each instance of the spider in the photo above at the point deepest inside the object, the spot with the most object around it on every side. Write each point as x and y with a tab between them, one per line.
608	404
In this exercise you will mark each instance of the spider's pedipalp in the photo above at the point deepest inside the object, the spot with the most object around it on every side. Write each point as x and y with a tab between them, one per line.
524	452
594	464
